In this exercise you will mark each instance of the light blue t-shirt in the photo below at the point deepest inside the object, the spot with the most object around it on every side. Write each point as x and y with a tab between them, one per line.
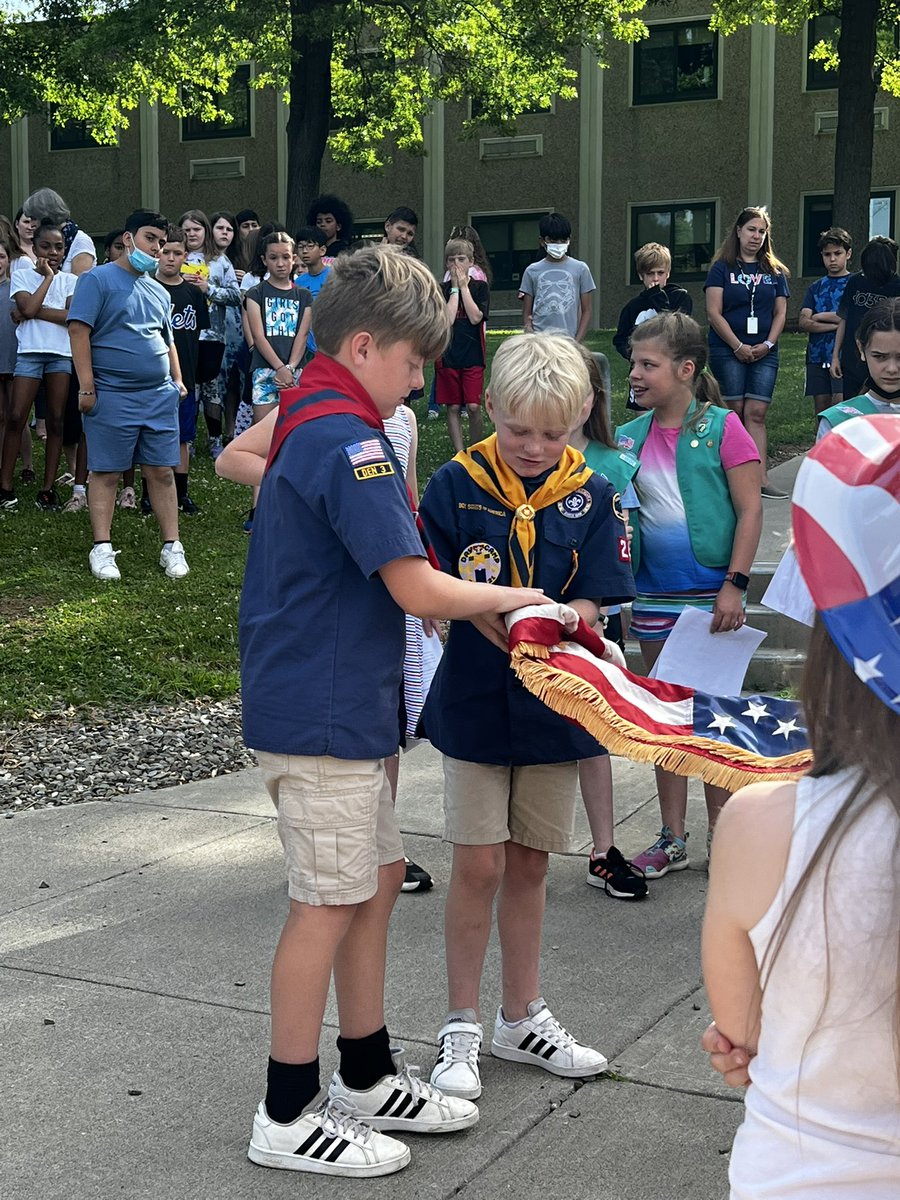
131	329
313	284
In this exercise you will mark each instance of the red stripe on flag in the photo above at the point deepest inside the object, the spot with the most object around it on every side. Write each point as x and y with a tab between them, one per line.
851	466
671	692
830	576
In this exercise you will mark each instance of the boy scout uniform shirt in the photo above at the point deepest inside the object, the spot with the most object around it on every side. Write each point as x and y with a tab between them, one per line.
321	638
477	710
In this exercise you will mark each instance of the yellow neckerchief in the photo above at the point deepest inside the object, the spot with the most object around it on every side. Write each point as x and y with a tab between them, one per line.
487	469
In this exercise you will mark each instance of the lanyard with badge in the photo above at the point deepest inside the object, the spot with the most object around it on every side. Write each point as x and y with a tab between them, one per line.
752	319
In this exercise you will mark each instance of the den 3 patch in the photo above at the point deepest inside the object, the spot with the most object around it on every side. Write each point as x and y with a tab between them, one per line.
367	458
576	504
479	563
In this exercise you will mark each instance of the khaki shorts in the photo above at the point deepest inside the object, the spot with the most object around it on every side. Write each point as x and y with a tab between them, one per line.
486	804
336	823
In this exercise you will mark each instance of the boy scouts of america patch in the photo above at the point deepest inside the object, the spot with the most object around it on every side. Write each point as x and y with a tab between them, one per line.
367	458
576	504
479	563
617	506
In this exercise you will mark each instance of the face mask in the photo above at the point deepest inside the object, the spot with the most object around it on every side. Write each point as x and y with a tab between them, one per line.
144	264
557	249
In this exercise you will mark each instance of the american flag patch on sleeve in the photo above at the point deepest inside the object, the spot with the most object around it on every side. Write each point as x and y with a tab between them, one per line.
371	450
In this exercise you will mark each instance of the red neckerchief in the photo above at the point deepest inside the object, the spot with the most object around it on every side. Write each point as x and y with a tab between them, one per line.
327	389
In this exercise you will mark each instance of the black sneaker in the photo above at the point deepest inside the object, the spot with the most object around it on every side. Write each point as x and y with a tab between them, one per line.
188	507
417	879
28	476
617	876
8	499
146	506
48	501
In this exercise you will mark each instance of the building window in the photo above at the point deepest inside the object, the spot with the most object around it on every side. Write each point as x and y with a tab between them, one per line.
689	231
72	135
236	102
823	28
676	62
511	241
369	232
818	216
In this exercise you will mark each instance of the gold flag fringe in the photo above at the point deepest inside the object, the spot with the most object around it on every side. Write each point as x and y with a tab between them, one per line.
579	701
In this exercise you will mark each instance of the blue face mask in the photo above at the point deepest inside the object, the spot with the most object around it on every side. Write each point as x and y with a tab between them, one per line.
144	264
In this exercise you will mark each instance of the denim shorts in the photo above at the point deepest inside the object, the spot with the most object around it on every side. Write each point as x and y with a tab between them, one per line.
41	363
739	381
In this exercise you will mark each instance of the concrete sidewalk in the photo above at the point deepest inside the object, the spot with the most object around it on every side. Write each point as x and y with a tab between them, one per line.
136	938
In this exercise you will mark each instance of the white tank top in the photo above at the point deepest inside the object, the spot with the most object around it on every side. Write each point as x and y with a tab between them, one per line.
399	432
823	1111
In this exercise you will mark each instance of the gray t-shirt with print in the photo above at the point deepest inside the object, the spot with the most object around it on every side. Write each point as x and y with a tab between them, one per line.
557	288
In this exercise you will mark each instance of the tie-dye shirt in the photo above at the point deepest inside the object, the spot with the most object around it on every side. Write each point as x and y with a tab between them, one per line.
667	560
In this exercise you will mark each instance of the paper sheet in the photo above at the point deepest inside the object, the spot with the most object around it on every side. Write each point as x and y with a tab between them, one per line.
715	663
787	593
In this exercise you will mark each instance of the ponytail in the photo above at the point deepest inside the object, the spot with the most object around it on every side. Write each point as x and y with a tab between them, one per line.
707	395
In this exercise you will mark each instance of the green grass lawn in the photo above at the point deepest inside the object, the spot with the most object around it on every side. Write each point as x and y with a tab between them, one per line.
66	640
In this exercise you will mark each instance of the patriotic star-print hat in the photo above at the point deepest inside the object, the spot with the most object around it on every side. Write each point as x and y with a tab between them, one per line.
846	517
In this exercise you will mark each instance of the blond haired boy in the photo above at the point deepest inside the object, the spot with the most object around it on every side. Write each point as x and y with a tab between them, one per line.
653	263
520	508
334	562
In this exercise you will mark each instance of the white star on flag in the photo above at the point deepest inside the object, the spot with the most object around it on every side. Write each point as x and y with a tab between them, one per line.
867	668
755	711
721	722
786	728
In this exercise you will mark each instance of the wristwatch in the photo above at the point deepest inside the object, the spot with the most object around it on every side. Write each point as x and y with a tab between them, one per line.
739	580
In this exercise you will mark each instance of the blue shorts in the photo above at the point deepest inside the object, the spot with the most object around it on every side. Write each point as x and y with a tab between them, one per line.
739	381
187	417
819	381
265	389
39	364
124	428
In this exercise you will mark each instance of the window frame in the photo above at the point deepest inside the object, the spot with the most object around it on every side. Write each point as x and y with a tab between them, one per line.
55	131
636	101
811	266
641	208
503	283
217	131
828	79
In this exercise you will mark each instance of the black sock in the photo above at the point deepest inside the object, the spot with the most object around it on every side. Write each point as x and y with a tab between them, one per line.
365	1060
213	424
180	485
289	1088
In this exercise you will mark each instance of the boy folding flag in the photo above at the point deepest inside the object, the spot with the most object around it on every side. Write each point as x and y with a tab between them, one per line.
727	741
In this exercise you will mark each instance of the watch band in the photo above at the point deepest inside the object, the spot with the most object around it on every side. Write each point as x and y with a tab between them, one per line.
739	580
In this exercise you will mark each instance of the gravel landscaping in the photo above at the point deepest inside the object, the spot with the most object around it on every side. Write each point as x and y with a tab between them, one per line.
67	757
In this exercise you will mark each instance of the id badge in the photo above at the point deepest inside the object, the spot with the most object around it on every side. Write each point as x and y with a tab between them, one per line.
753	325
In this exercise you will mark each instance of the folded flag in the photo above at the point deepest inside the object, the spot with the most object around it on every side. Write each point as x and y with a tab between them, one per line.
727	741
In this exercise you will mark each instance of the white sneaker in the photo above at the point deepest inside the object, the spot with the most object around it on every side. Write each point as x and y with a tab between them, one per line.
127	499
172	559
404	1101
456	1071
325	1140
539	1039
77	502
103	561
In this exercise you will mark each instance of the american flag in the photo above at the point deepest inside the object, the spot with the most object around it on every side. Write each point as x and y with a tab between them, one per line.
371	450
846	517
728	741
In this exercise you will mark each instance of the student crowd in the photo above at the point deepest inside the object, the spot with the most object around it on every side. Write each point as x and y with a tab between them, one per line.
269	333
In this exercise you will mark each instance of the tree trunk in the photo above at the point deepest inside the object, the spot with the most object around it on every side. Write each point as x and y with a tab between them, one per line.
856	118
312	38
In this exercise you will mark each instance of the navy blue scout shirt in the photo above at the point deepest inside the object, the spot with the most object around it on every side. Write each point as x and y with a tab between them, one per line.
745	287
322	641
476	708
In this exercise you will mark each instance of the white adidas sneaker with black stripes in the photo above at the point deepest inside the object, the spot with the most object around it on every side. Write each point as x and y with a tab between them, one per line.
539	1039
405	1101
326	1139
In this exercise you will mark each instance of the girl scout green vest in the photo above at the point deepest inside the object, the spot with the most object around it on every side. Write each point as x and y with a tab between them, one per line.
859	406
711	519
617	465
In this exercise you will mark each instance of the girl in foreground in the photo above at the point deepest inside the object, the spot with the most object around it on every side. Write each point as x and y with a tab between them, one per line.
800	942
